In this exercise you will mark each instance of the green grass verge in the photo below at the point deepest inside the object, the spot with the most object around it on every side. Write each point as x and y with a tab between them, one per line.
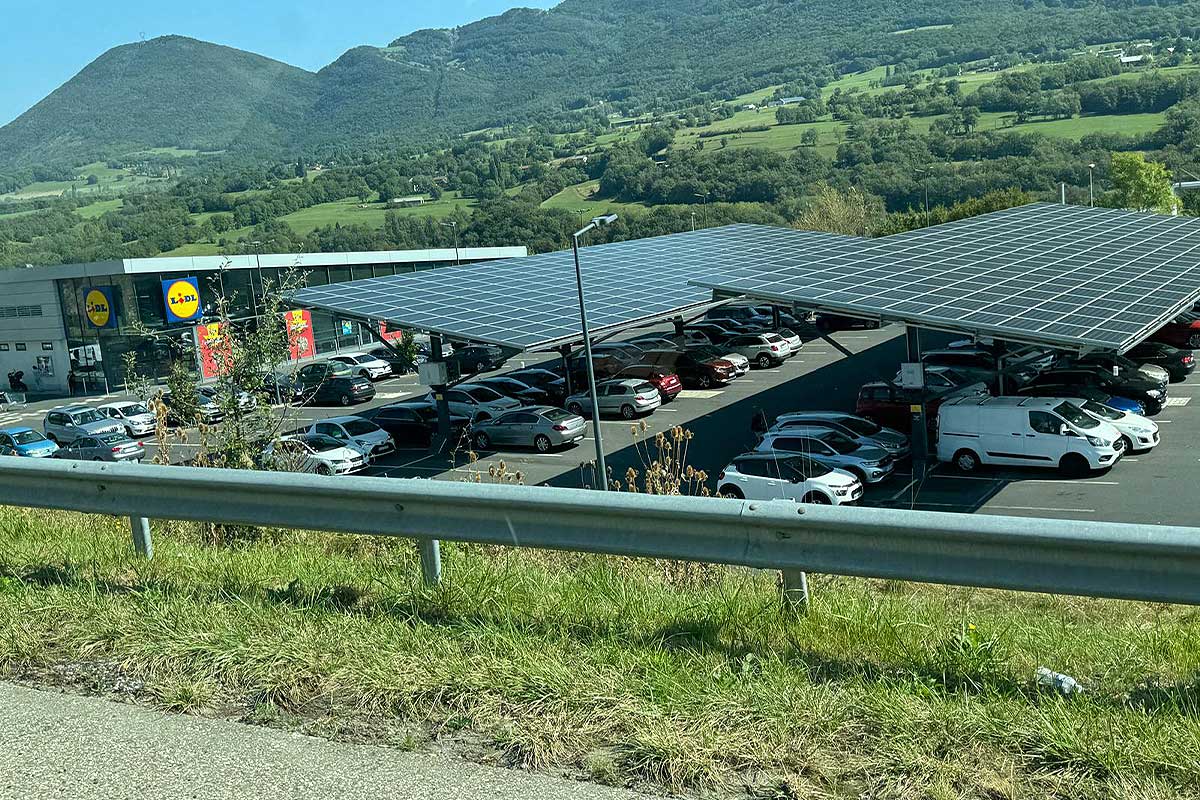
629	672
99	208
582	197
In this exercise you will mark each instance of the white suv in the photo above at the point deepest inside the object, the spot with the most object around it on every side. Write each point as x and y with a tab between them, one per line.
763	349
768	476
364	364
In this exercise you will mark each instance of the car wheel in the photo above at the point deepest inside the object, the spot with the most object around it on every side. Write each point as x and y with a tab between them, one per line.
817	499
52	437
324	469
541	443
345	399
966	461
482	441
1128	444
764	361
1074	465
575	408
704	382
627	412
1194	341
97	458
731	491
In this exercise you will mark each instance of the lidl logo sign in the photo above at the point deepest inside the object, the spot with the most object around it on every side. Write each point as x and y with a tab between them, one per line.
181	297
97	304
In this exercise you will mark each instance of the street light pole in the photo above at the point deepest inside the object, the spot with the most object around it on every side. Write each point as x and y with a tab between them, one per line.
1091	185
924	173
601	467
704	201
262	290
453	224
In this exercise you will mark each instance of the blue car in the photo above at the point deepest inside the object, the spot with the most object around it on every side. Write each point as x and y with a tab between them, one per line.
1085	393
25	442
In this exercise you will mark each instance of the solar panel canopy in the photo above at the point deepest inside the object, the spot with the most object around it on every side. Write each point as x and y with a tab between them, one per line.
532	303
1076	277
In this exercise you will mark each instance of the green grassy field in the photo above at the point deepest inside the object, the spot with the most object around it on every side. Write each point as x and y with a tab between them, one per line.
108	180
654	675
582	197
99	208
348	212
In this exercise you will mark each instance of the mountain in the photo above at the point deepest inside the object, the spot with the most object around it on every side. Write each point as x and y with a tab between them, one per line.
528	65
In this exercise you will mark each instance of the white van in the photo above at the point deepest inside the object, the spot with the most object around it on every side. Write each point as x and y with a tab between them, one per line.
1024	432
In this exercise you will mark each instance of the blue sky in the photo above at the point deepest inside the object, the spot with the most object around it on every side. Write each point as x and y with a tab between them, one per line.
45	43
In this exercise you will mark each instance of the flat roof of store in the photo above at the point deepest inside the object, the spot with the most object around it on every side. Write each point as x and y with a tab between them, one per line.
185	264
532	303
1065	276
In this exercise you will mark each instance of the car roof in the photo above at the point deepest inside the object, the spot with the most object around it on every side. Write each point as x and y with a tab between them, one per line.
341	419
802	430
122	404
72	409
21	429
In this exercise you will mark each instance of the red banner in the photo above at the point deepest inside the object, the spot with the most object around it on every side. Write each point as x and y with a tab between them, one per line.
214	350
389	336
301	343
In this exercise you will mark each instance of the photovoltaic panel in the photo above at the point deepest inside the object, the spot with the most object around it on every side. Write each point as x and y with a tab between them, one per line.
531	303
1085	278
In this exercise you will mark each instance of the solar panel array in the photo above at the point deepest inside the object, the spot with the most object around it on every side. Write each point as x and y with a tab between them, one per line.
531	303
1080	277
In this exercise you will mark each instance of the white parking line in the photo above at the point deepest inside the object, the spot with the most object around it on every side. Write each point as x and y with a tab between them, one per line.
699	394
1017	481
1177	401
987	507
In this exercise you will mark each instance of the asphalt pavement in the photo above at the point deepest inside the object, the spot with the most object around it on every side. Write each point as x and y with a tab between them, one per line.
55	745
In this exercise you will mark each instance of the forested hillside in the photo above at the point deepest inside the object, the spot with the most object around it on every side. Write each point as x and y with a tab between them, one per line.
584	58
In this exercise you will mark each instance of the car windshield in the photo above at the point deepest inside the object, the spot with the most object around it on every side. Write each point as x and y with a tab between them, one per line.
788	333
27	437
322	443
484	394
84	417
360	427
111	438
774	338
556	414
1074	415
134	409
643	387
838	442
863	427
1101	410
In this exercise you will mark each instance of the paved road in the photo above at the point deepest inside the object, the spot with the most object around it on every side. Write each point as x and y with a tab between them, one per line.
66	746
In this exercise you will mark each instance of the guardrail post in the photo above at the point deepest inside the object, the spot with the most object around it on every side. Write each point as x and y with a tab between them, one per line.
431	561
795	589
140	526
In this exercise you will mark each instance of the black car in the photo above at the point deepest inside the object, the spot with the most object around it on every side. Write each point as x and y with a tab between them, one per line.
553	384
414	424
1177	362
1149	393
330	382
1120	366
473	359
828	323
1083	393
516	389
400	364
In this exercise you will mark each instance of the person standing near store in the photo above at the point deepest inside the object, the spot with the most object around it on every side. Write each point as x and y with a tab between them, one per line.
72	382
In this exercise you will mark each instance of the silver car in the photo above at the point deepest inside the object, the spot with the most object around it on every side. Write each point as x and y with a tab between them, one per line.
861	430
763	349
64	424
629	398
105	447
476	402
541	427
869	463
137	417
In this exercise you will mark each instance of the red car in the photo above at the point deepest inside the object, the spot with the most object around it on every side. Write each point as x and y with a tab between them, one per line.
668	384
1182	332
891	406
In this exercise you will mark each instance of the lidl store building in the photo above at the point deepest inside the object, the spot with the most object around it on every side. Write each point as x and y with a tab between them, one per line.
85	317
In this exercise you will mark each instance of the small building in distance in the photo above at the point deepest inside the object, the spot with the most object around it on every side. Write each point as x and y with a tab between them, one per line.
406	202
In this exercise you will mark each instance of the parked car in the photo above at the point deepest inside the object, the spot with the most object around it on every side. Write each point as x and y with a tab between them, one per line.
400	364
205	412
1149	393
943	379
476	402
415	423
313	452
891	406
63	424
974	364
26	443
245	400
857	428
1177	362
668	384
627	352
366	365
135	417
716	333
655	341
541	427
116	447
330	382
764	350
741	364
1181	332
604	365
769	476
739	314
829	323
1024	432
1140	434
795	342
1086	392
362	434
1121	366
475	358
628	398
786	316
516	389
869	463
698	369
553	384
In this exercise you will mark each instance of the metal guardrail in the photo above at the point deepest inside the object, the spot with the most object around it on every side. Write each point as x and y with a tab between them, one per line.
1136	562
